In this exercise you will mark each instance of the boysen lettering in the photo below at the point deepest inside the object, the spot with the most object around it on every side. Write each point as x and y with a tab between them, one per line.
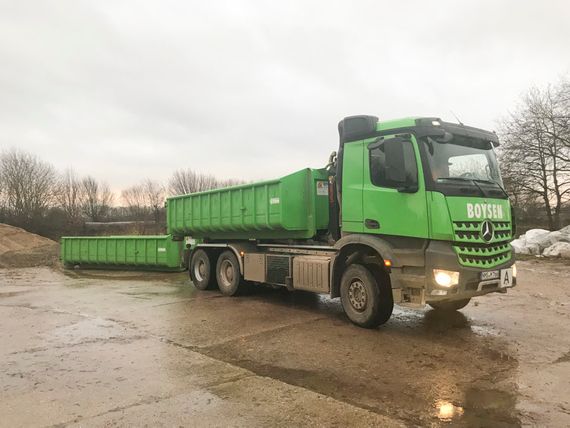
494	211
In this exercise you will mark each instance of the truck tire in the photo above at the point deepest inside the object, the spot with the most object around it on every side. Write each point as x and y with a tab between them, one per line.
228	274
454	305
366	300
202	272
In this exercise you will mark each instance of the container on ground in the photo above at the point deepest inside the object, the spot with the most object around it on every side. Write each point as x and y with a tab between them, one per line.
292	207
156	252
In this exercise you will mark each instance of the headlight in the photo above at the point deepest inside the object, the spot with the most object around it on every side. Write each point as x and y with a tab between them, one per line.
446	278
515	270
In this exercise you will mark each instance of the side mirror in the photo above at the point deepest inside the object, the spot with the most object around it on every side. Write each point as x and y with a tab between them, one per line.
401	167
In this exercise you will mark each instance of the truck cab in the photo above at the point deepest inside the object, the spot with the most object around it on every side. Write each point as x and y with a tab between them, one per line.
430	195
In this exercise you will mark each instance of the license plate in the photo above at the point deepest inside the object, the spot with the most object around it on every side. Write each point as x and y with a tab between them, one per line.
506	278
490	274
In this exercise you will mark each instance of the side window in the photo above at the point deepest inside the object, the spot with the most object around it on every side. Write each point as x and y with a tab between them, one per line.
378	166
393	164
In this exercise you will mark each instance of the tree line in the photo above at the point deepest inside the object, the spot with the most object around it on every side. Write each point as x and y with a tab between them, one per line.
38	198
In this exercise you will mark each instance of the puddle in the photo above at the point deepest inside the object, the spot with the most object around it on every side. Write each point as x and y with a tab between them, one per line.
490	407
126	275
292	375
319	303
480	407
158	290
447	411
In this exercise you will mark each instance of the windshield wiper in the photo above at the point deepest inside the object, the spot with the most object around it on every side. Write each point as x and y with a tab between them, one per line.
493	182
475	181
454	179
464	179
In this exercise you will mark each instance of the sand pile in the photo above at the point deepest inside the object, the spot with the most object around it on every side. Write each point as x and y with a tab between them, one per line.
19	248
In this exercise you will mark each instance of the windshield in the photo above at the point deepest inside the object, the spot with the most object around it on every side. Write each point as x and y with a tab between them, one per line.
462	159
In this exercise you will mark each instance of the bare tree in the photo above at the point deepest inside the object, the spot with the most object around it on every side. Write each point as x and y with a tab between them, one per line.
69	194
96	198
187	181
184	181
28	186
134	199
2	196
145	198
229	182
154	196
535	155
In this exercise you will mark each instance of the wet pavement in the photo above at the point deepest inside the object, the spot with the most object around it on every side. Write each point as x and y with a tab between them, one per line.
96	348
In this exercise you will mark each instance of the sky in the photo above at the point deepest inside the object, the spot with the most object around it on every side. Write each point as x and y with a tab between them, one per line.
128	90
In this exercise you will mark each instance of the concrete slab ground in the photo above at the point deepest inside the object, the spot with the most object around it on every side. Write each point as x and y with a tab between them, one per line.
97	348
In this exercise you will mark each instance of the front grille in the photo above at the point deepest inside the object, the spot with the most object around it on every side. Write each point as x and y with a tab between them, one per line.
474	252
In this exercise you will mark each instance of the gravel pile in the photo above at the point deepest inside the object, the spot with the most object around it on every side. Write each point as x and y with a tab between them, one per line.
19	248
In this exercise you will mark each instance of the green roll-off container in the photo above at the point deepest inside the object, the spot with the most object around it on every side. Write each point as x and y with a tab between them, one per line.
157	252
292	207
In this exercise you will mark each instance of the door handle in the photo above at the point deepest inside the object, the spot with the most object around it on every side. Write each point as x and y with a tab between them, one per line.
371	224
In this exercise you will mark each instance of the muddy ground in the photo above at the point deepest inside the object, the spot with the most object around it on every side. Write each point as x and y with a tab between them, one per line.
96	348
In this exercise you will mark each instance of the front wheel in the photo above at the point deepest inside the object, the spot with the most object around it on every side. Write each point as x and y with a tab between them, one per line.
365	298
451	306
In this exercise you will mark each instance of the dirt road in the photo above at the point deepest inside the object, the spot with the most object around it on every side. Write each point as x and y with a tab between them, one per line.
97	348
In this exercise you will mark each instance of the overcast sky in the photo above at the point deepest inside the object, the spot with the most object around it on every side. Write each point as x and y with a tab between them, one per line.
125	90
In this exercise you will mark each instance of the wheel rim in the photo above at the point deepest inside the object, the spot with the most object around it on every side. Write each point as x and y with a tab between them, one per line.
227	273
200	270
357	295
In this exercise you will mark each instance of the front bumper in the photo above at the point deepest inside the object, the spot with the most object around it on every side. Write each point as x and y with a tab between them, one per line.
440	255
416	286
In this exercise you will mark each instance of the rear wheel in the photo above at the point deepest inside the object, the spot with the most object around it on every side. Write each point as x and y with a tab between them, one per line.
365	298
454	305
228	274
202	272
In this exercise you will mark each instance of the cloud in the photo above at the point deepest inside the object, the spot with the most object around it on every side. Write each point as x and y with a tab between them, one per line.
133	89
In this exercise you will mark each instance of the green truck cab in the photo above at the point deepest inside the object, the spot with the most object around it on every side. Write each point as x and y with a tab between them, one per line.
430	194
408	212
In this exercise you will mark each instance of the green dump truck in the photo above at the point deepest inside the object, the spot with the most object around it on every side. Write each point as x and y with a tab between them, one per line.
410	211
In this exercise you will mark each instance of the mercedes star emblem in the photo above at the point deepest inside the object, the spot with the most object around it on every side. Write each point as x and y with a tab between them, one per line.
487	231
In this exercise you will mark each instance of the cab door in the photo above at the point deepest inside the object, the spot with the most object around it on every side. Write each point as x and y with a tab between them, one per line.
394	198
